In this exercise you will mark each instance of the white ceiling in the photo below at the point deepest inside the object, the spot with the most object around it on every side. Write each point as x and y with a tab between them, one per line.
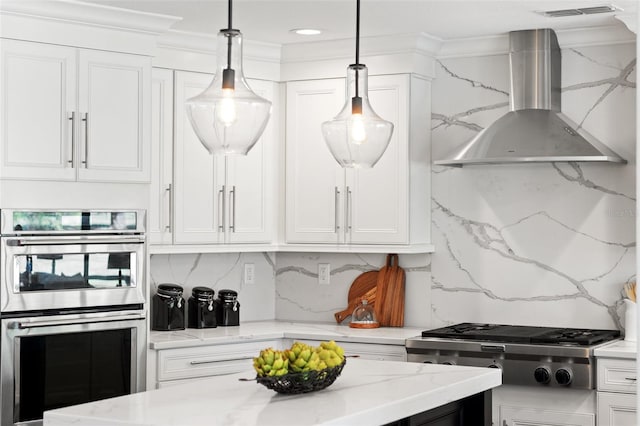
271	20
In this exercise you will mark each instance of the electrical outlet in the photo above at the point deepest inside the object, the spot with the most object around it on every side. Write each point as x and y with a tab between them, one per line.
249	273
324	272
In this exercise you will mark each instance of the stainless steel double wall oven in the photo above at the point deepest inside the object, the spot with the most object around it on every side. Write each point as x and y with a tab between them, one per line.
71	309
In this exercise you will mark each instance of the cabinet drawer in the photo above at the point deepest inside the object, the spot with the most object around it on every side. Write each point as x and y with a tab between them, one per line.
617	375
213	360
616	409
367	350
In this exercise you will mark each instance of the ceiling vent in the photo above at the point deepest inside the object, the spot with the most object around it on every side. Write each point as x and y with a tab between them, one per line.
581	11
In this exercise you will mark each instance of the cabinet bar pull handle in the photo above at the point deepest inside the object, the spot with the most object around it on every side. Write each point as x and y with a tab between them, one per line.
232	201
335	217
73	136
168	226
213	361
631	379
86	139
222	209
348	218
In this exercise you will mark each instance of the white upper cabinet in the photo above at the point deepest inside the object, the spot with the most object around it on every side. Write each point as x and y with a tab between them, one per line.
361	208
208	199
198	188
114	100
74	114
314	180
159	224
377	198
38	97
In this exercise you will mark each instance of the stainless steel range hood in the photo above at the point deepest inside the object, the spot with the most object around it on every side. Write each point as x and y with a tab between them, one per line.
534	130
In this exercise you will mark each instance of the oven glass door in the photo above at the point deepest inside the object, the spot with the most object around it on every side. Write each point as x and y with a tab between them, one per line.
67	369
55	361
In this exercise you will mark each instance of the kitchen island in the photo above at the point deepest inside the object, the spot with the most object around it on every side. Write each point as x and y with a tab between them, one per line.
366	393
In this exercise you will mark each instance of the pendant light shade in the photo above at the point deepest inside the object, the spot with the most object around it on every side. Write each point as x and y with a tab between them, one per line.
228	117
357	137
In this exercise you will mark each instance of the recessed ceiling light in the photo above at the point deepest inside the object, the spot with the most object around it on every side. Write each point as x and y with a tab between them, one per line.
305	31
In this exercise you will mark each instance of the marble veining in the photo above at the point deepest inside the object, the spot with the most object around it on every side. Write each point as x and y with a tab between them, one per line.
548	244
391	390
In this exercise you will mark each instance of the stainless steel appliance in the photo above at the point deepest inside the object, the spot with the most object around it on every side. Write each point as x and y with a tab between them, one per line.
535	356
535	129
71	309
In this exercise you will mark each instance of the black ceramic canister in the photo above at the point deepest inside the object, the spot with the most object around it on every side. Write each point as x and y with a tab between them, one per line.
201	308
167	308
227	308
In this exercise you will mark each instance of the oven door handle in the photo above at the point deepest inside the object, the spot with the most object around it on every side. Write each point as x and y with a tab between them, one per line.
51	323
22	242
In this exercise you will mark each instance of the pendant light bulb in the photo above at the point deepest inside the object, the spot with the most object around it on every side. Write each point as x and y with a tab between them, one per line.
226	113
228	117
357	137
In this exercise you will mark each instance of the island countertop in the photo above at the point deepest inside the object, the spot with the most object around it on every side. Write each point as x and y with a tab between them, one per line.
366	393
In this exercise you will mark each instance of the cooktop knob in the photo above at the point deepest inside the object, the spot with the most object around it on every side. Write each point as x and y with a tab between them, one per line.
448	363
563	376
542	375
494	366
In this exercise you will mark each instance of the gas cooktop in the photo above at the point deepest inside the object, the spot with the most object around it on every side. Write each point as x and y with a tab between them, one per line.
523	334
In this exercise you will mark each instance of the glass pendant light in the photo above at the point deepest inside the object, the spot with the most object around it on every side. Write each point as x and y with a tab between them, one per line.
228	117
357	137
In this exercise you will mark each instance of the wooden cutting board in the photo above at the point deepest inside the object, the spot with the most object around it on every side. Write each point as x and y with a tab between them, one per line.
363	287
390	292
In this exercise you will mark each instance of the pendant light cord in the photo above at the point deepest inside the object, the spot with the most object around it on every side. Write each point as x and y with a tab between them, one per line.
357	42
229	27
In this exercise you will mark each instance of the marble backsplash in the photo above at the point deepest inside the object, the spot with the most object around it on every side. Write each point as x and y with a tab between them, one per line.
541	244
546	244
221	271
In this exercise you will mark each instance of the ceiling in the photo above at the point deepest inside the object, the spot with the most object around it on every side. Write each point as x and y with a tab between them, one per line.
271	20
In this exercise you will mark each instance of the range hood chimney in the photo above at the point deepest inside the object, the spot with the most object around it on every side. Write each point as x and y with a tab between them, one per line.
534	130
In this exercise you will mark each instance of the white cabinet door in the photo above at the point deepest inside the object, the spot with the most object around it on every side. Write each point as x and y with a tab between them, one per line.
114	100
160	204
251	184
377	204
526	416
314	180
199	195
38	96
616	409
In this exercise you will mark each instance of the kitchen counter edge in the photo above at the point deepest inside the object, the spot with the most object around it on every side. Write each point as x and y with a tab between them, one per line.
266	330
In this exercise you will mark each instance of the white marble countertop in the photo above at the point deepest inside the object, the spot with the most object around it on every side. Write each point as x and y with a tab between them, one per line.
263	330
618	349
367	392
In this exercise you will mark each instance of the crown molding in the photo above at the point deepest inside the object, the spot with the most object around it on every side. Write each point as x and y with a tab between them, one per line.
72	11
630	20
206	44
344	49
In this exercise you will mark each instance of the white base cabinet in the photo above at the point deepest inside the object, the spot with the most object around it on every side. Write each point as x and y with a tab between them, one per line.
74	114
182	365
169	367
616	392
543	406
198	198
362	350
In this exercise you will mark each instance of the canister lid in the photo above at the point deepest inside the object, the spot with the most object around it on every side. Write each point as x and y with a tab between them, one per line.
226	294
202	292
172	290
